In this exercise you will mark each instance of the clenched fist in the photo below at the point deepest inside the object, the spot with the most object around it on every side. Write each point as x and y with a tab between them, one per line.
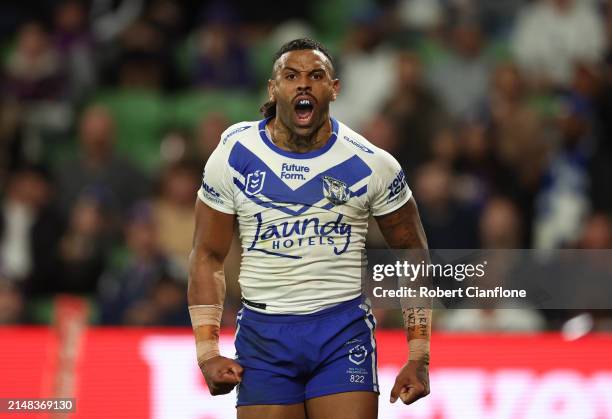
412	382
221	374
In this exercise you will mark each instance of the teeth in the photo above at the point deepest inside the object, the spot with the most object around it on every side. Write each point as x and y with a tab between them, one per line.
304	102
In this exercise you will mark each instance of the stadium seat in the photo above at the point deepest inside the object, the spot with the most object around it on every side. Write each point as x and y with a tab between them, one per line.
40	310
188	108
140	117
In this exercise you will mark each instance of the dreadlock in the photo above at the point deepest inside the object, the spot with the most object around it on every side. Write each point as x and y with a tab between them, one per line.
268	109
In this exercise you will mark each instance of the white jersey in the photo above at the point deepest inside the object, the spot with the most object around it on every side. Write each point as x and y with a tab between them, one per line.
302	217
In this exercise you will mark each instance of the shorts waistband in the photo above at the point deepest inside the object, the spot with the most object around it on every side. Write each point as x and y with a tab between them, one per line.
293	318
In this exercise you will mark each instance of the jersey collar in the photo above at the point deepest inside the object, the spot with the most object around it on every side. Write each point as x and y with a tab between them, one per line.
310	154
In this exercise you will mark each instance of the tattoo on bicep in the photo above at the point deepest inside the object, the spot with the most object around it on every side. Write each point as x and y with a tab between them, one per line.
402	229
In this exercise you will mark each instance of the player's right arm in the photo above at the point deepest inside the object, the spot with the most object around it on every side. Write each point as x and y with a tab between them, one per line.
206	293
215	214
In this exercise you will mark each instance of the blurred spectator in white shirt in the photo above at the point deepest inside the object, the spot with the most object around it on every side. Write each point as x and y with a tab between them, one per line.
30	229
552	35
366	70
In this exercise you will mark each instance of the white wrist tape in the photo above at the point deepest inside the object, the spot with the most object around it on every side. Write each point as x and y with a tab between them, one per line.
419	350
206	315
206	349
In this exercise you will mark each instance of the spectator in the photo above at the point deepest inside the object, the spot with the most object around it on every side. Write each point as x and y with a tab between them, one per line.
99	167
165	306
448	223
84	246
520	142
74	44
221	59
597	233
168	17
30	229
552	35
195	146
500	225
12	307
144	60
462	78
34	70
415	112
173	211
364	55
445	146
518	132
173	146
127	293
420	15
382	132
500	228
111	18
208	134
562	201
480	174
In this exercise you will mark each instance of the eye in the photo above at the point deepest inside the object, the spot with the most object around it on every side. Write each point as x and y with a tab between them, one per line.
317	76
290	76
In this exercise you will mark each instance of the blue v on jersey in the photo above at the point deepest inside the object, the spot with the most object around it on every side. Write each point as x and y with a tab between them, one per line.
302	217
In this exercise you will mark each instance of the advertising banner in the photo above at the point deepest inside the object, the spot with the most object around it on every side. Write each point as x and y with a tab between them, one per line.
152	373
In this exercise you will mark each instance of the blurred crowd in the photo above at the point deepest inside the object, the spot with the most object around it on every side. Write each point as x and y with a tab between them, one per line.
499	111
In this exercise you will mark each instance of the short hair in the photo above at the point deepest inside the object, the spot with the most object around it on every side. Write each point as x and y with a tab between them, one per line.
302	44
268	109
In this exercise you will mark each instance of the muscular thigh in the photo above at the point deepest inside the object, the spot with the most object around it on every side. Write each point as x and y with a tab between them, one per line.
291	411
350	405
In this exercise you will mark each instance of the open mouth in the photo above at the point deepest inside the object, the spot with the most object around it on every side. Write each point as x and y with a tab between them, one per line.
304	108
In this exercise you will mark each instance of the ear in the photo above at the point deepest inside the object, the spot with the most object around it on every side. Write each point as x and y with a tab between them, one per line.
271	90
336	89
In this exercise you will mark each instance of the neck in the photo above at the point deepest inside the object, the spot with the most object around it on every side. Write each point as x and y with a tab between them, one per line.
288	140
97	159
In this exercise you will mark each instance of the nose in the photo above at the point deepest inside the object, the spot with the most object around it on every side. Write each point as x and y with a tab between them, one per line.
304	83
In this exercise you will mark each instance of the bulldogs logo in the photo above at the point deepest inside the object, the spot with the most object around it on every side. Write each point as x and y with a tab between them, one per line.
255	182
336	191
358	354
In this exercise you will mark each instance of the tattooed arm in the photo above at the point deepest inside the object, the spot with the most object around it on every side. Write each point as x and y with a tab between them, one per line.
402	229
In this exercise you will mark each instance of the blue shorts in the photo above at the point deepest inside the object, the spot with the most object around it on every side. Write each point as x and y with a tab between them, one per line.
288	359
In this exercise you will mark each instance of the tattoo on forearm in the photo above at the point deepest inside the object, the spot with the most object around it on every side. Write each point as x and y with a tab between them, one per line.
417	321
402	229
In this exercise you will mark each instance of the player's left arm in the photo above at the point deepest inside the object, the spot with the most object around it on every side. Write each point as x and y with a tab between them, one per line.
402	229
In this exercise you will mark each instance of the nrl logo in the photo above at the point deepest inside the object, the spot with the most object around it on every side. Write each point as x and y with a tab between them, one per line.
254	182
336	191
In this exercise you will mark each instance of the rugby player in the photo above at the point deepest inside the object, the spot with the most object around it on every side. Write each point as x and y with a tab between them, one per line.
301	186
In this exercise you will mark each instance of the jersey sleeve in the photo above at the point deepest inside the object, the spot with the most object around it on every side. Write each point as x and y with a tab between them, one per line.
217	184
389	189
